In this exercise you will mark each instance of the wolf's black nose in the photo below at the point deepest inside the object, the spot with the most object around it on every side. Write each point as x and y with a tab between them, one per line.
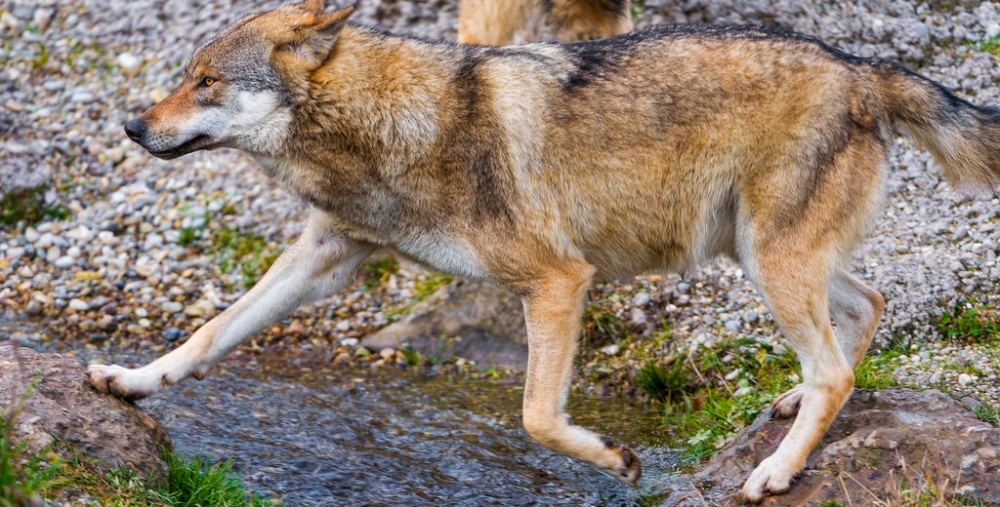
135	129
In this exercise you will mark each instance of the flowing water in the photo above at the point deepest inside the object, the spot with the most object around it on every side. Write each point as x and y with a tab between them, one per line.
314	435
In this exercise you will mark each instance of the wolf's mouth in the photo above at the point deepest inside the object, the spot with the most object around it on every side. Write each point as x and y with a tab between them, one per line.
196	143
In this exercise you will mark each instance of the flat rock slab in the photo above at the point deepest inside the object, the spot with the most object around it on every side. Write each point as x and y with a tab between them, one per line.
880	441
473	320
64	411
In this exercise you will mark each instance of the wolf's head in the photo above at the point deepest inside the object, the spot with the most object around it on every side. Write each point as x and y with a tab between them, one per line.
238	88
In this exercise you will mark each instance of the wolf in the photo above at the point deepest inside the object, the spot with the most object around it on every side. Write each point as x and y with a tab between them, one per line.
496	22
544	167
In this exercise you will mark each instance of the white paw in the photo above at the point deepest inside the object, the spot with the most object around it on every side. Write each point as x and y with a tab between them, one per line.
771	476
787	405
122	382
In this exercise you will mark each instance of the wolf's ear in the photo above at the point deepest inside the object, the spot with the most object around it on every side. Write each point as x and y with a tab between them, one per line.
315	37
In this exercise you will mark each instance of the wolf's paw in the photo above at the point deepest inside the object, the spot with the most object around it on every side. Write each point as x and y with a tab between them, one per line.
771	476
121	382
787	405
629	467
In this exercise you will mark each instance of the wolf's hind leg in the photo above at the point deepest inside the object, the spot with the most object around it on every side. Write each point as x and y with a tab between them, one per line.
316	266
794	284
856	309
552	311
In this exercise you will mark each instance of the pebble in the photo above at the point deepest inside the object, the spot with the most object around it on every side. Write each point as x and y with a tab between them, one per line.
171	333
79	305
641	299
965	379
610	349
64	262
171	306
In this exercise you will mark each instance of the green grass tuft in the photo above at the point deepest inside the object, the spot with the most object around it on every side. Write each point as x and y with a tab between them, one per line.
26	205
987	413
869	374
662	384
972	322
249	255
200	483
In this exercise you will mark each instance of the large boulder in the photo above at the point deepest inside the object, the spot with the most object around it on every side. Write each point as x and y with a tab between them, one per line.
881	443
62	410
473	320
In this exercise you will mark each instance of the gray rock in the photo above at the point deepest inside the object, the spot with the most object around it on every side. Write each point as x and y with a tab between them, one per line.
874	434
473	320
63	411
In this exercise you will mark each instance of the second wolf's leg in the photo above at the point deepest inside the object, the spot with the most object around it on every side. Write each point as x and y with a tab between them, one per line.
493	22
552	312
316	266
856	309
578	20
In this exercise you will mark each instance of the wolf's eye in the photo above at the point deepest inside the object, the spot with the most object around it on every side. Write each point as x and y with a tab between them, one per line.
208	81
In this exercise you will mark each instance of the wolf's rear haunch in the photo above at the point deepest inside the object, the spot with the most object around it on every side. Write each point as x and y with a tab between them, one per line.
542	167
964	138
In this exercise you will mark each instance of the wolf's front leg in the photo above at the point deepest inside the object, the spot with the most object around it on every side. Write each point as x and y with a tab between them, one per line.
552	312
316	266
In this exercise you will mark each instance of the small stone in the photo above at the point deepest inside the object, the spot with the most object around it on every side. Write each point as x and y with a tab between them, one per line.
638	317
349	342
81	96
141	312
87	275
115	155
342	358
743	391
79	305
344	325
171	307
144	323
171	333
129	64
34	308
362	352
965	379
17	107
64	262
610	349
157	95
106	323
732	375
387	353
641	299
25	272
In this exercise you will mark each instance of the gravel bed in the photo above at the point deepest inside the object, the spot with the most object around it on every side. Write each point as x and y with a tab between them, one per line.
134	259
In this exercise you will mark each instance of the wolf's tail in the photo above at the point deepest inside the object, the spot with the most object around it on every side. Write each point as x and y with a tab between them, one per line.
964	138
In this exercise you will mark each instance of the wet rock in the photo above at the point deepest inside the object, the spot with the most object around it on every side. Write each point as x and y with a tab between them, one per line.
879	441
473	320
64	411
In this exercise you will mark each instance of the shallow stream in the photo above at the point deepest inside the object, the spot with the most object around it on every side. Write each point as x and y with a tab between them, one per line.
315	435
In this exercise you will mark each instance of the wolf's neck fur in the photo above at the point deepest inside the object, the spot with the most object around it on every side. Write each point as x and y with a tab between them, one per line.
378	96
